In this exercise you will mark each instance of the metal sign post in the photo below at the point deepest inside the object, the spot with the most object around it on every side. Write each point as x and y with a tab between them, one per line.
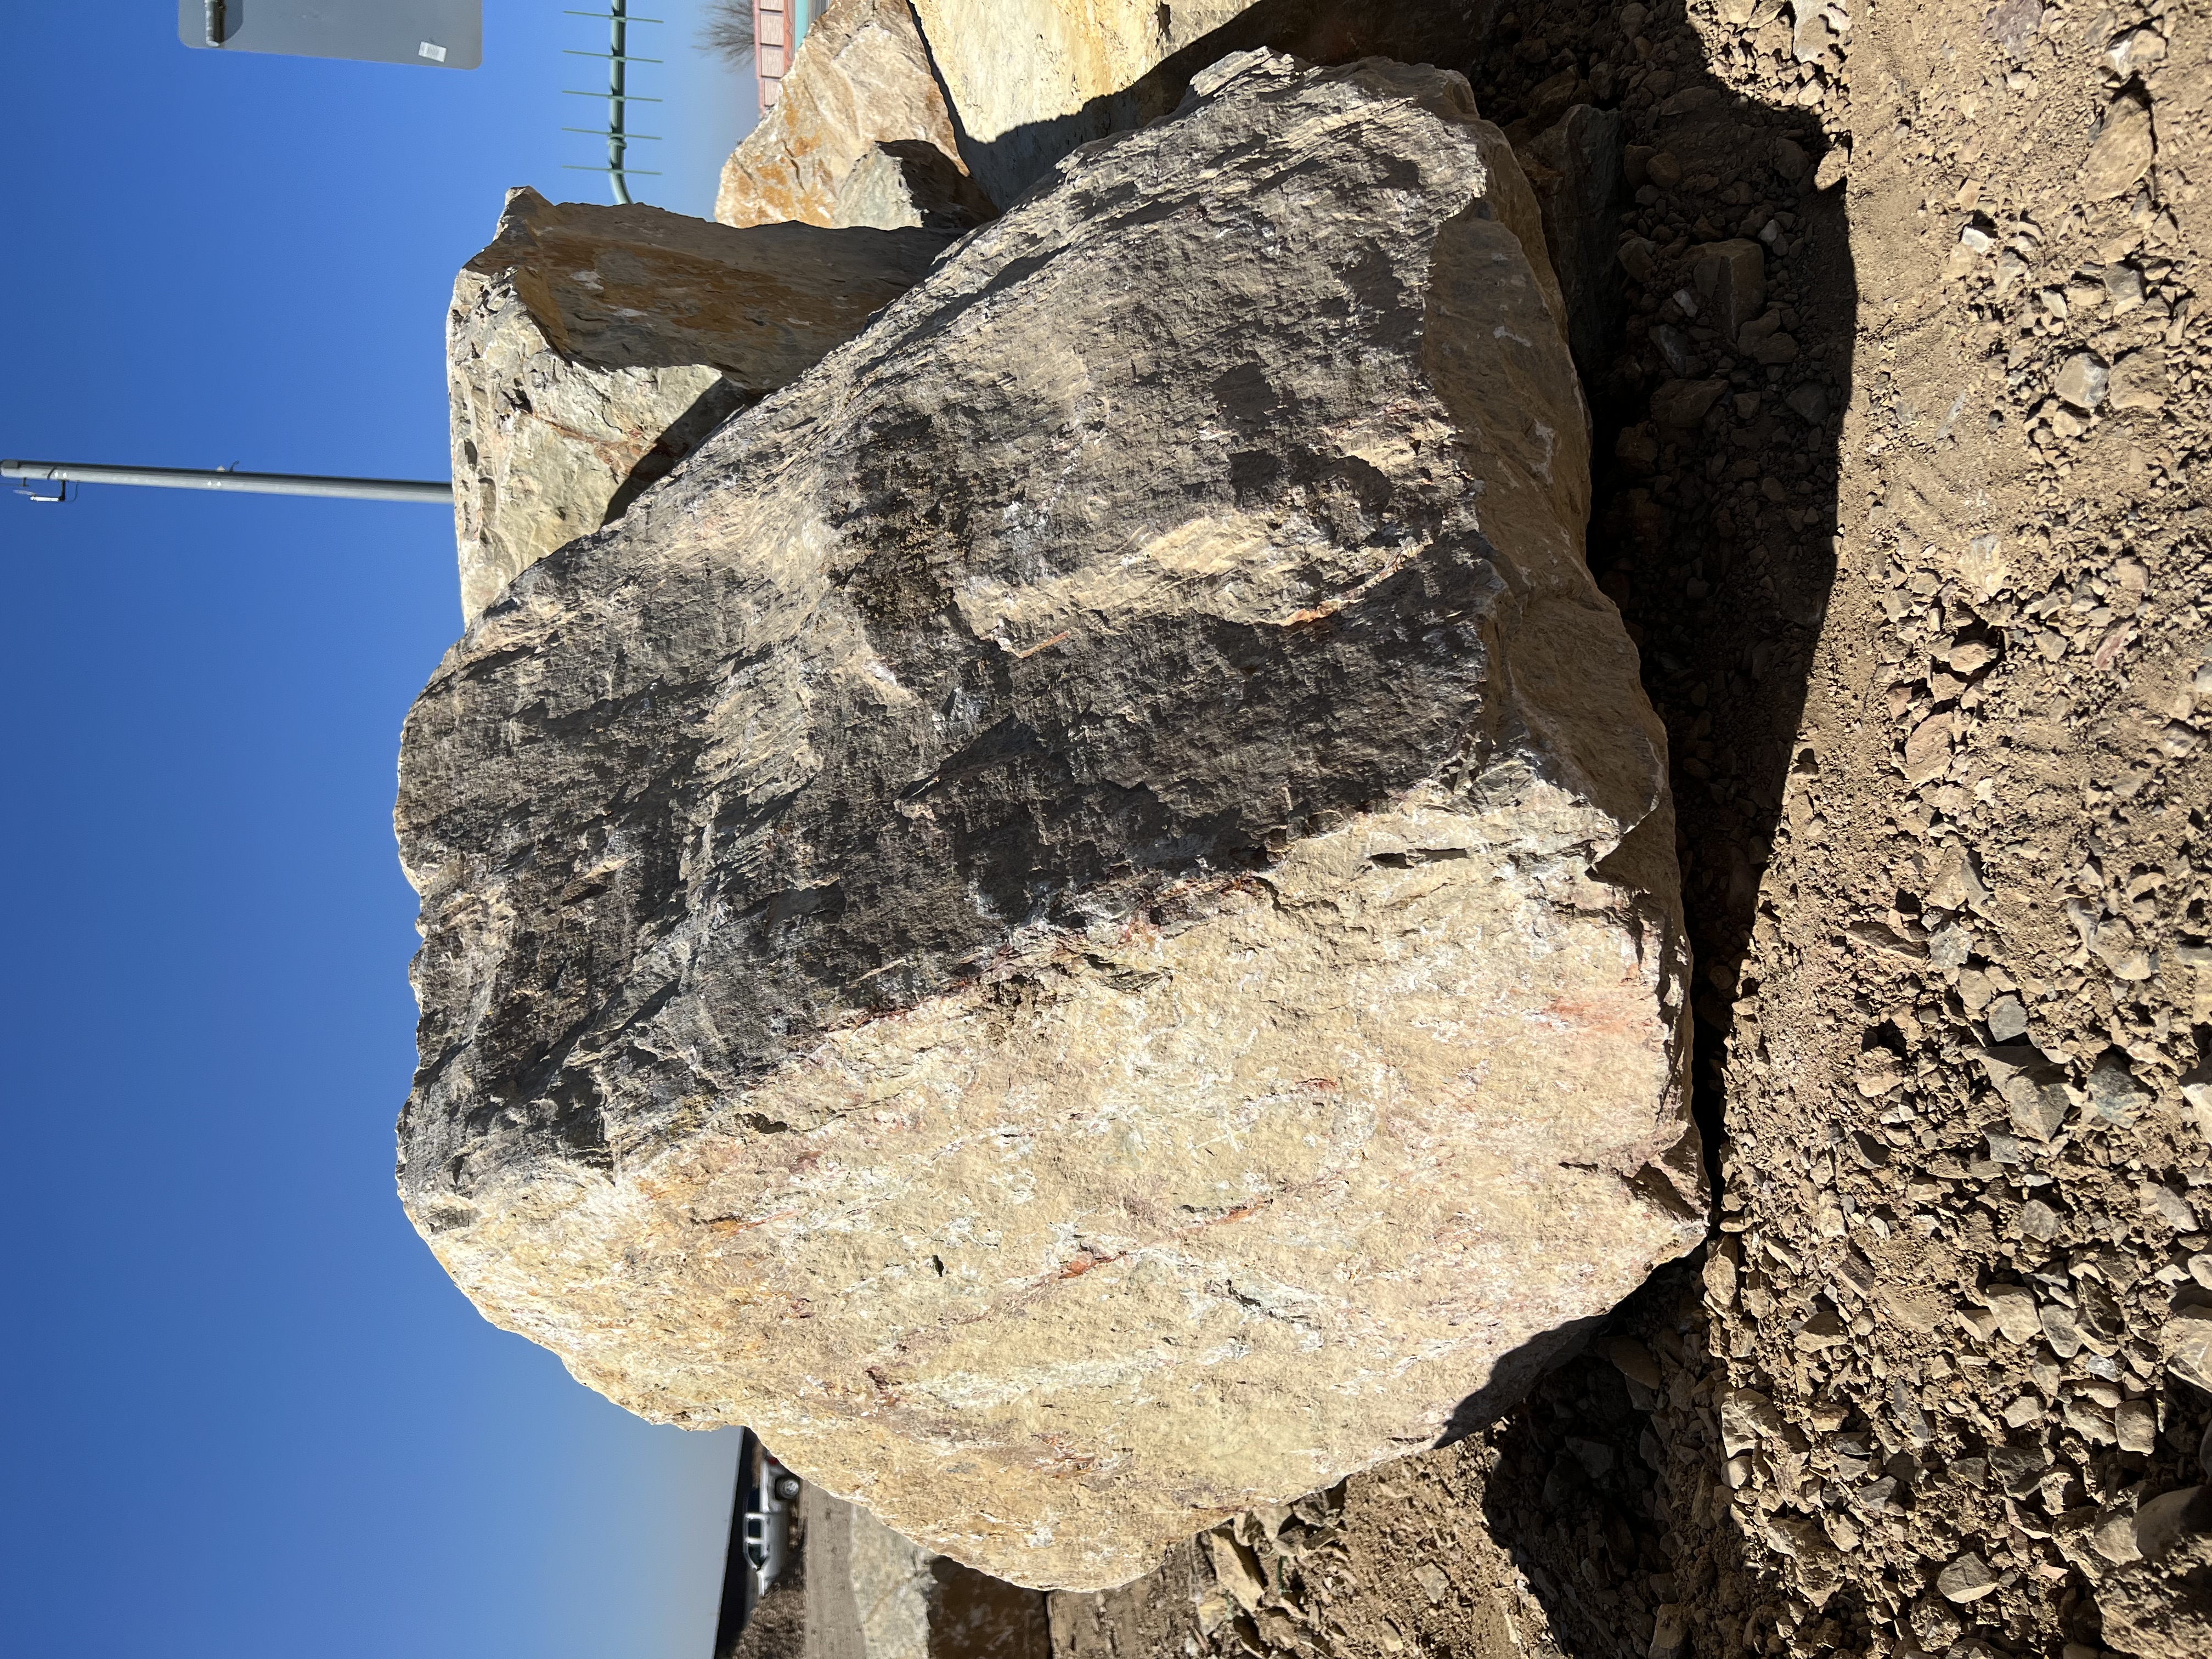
428	33
430	492
618	95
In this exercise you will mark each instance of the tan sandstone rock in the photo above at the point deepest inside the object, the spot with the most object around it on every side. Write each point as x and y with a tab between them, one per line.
861	78
589	349
1077	920
1031	79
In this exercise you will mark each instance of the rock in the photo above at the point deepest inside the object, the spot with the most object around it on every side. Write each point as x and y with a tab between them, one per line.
2114	1091
1790	160
1674	349
1236	1570
1634	1362
1811	39
2161	1200
1956	885
1746	1413
2138	380
1834	166
1033	79
2136	50
2186	1344
589	349
2123	150
1683	404
2015	1307
2081	381
2007	1017
1076	921
1810	401
907	182
2012	24
1928	748
2136	1426
2161	1609
1576	176
1731	279
1670	1632
861	78
1967	1578
2033	1088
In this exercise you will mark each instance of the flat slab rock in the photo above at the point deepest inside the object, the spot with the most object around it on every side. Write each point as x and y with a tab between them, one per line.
589	349
1076	919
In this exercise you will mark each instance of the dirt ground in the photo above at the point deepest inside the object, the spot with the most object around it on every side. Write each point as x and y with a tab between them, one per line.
1920	566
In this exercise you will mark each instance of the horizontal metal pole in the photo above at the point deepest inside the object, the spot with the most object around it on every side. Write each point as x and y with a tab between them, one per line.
609	132
244	484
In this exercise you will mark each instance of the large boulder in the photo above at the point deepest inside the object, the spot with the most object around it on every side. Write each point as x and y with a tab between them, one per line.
1076	920
861	78
589	349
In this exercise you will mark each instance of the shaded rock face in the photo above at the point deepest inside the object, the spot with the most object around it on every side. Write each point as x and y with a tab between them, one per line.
909	182
861	78
1076	920
1574	166
589	349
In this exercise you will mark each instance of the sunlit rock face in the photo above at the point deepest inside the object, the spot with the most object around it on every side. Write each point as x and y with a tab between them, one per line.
860	78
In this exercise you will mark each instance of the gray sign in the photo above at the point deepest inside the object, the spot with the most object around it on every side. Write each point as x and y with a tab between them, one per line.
432	33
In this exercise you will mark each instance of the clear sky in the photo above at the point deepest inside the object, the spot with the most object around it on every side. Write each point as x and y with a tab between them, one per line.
246	1413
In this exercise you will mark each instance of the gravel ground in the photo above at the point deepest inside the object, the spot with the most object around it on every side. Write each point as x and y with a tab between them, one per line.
1917	548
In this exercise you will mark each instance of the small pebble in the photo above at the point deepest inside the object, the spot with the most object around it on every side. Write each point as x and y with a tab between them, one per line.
1969	1578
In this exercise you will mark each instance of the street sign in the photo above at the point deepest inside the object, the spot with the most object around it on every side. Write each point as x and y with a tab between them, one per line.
429	34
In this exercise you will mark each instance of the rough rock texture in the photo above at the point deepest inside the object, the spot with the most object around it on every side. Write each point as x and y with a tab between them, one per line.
1075	920
589	349
1032	79
861	78
907	182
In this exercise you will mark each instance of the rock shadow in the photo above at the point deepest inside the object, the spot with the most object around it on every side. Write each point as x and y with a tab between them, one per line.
1717	400
683	435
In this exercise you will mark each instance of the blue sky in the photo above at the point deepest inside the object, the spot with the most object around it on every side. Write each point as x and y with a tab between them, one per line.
247	1413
